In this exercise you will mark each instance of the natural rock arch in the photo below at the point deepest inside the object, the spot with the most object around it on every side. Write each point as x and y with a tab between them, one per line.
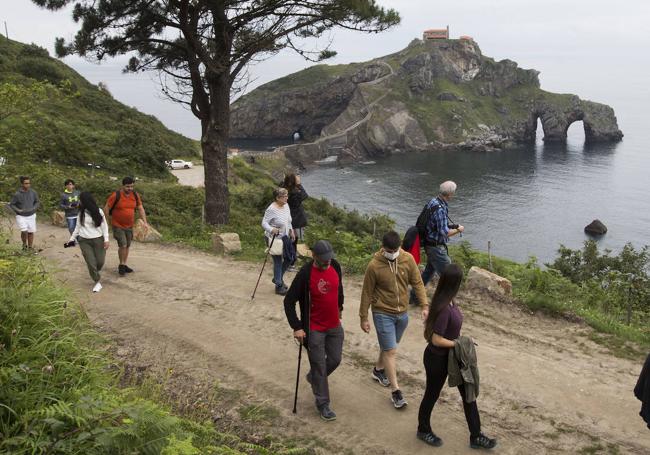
599	121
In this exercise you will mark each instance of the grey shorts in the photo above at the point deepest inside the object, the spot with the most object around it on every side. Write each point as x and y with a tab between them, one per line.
123	236
390	328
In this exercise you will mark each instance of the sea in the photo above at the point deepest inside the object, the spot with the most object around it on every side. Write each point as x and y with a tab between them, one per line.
523	202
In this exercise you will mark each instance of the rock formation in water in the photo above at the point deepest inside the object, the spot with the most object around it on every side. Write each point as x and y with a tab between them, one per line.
431	95
596	228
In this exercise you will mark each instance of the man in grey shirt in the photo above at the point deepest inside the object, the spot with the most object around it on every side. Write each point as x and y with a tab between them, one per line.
24	204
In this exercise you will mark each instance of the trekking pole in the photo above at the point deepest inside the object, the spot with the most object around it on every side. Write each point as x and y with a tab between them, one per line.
295	396
263	265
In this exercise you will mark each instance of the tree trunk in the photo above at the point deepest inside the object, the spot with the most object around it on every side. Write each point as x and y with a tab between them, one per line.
215	153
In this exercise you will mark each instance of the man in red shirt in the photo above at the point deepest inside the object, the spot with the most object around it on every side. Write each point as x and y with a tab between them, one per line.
318	287
121	206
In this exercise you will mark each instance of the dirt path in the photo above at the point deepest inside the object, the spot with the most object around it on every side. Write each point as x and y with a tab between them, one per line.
545	387
190	177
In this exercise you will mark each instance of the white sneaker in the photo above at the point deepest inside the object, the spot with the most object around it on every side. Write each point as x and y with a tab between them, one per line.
98	287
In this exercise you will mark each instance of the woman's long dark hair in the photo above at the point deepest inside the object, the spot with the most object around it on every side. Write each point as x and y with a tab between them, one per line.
290	182
87	203
446	290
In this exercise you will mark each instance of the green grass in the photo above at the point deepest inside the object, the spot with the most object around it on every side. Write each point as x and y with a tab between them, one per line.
259	413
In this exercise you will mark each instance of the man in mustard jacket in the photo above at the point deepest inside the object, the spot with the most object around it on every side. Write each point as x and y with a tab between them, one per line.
385	290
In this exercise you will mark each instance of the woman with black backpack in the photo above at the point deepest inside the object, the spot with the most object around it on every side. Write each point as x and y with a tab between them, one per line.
91	232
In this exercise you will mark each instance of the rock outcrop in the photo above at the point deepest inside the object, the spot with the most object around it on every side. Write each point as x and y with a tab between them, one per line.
431	95
596	227
312	100
145	232
58	218
484	280
226	243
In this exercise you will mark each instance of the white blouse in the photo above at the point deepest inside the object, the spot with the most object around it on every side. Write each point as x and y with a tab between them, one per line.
277	217
89	230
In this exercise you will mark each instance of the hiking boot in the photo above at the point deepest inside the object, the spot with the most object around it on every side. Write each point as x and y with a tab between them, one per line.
97	287
380	377
121	270
326	413
429	438
282	290
128	269
482	442
397	399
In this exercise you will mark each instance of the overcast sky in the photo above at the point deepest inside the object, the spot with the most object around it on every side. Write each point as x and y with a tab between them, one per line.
596	49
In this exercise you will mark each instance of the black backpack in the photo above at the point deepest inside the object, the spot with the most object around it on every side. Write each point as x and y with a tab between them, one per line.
423	220
118	193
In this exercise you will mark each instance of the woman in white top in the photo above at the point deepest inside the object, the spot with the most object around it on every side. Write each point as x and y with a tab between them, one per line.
92	234
277	224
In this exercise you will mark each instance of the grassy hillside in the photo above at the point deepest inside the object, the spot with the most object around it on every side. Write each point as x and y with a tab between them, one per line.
87	127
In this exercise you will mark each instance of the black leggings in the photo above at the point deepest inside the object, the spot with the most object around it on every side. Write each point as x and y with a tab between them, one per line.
436	368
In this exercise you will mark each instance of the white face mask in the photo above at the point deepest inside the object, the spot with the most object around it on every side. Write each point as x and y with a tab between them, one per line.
391	256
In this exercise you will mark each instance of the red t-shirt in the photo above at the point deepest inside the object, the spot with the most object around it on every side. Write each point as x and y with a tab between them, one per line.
324	292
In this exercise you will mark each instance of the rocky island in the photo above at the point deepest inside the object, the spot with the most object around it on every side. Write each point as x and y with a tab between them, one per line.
433	95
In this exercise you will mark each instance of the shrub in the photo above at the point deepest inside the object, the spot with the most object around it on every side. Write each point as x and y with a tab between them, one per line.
40	70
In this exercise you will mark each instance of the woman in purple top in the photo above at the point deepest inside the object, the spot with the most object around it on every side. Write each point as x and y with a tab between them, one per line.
441	328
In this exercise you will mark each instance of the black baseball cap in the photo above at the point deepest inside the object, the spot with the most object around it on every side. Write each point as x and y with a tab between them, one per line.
323	249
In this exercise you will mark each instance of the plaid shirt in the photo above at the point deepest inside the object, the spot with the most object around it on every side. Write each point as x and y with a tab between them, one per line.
437	228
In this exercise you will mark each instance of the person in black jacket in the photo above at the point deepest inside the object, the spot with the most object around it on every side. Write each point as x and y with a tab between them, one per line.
318	288
642	391
297	195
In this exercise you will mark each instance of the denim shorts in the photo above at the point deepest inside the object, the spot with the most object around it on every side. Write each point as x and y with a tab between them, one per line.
390	328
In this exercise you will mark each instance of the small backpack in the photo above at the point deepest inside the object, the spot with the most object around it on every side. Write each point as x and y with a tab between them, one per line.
118	193
423	220
411	243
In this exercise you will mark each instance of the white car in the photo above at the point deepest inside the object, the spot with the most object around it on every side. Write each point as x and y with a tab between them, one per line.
178	164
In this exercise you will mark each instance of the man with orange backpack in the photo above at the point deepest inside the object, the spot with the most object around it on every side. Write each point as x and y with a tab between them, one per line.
121	206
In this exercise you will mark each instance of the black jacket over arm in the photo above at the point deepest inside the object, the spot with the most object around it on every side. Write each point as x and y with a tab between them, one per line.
299	292
642	391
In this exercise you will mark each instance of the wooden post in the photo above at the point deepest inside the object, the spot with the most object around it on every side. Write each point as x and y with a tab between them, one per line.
6	30
629	305
490	255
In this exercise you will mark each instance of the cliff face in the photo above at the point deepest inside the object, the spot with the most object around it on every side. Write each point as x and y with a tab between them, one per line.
431	95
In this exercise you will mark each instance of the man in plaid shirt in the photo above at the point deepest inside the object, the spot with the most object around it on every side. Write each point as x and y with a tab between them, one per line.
438	232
